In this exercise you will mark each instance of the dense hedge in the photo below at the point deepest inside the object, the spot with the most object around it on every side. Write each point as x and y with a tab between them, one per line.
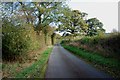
110	44
18	40
106	45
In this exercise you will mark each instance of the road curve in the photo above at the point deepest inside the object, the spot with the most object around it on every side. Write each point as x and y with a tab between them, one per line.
63	64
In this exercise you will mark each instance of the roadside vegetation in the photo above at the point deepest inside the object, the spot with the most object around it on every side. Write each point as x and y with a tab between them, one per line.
26	34
29	28
102	51
34	68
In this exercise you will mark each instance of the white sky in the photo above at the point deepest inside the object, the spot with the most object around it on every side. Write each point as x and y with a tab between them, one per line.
105	10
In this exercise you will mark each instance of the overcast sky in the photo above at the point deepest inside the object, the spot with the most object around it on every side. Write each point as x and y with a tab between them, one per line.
106	11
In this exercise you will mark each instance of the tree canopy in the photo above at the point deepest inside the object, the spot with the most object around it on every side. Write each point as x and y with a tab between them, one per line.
94	26
30	25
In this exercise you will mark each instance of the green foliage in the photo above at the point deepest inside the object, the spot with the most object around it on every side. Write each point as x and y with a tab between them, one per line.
94	27
85	40
76	24
110	44
36	68
110	63
17	41
65	41
105	45
72	21
48	31
94	57
47	12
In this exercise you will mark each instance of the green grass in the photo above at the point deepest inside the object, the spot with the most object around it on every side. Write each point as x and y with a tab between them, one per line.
110	63
11	69
36	69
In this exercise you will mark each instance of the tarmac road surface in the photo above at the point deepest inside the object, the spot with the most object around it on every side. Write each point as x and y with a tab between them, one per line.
63	64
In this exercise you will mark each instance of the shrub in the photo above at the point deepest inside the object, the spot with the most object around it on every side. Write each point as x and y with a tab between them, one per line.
16	41
108	45
85	40
105	45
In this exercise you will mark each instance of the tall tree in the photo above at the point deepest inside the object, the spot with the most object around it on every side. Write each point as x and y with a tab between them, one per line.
72	21
95	26
46	13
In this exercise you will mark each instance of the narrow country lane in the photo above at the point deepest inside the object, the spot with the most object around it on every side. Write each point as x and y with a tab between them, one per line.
63	64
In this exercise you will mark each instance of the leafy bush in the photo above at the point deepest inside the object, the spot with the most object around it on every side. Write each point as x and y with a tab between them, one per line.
85	40
17	40
111	43
20	39
106	45
65	41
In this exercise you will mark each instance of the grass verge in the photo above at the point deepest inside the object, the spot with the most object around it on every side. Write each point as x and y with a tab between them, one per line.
108	64
36	70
